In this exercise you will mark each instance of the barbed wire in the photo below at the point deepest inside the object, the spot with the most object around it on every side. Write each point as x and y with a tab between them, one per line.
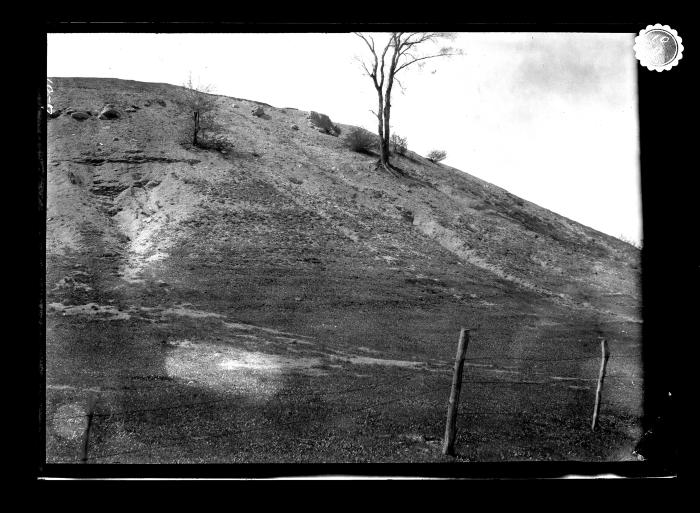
564	378
552	381
421	394
258	428
532	359
161	382
228	399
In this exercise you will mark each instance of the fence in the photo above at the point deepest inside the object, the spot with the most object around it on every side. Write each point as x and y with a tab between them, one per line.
433	398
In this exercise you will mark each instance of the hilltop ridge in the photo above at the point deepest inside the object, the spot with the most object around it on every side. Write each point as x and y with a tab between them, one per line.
481	224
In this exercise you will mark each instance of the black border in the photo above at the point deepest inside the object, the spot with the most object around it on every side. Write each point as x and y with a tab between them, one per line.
470	471
663	103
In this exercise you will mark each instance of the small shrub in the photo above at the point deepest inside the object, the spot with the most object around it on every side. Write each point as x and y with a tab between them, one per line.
631	242
360	140
257	111
199	104
399	144
215	142
437	155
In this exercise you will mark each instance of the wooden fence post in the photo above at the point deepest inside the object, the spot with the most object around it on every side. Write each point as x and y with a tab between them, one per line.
86	438
450	428
601	376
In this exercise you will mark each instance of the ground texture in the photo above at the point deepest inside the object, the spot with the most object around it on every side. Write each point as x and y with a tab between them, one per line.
285	301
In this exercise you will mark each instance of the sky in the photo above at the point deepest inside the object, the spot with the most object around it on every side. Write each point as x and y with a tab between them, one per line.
550	117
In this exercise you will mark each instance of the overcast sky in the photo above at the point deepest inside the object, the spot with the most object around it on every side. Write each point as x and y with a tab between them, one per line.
550	117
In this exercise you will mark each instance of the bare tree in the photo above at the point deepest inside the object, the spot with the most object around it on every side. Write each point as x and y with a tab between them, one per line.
200	104
403	49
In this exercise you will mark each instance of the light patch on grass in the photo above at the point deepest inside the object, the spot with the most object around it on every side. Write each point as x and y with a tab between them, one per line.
69	421
250	327
131	275
505	371
295	340
68	387
157	256
267	362
92	309
366	349
366	360
183	311
221	367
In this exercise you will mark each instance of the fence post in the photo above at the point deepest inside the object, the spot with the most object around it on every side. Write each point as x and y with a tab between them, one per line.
450	428
86	438
605	354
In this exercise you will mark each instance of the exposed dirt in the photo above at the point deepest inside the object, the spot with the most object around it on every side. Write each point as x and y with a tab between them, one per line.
289	303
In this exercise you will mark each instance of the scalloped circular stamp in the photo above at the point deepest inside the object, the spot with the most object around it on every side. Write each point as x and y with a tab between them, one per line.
658	47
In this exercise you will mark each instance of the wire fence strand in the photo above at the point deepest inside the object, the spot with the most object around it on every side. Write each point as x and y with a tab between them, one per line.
227	433
435	380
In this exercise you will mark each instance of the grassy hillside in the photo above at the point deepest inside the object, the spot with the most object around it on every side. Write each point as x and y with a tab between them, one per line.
286	301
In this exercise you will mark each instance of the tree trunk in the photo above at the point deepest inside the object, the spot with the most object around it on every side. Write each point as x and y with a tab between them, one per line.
196	128
383	153
387	113
385	135
383	160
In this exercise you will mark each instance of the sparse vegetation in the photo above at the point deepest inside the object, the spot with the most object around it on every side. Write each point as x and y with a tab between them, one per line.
636	244
399	144
401	51
360	140
217	142
200	105
437	156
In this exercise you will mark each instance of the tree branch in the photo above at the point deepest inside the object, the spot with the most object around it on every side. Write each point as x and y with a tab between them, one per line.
373	74
403	89
386	48
364	66
408	44
370	46
405	65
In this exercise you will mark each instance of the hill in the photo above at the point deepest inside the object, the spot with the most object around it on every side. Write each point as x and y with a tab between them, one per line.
286	301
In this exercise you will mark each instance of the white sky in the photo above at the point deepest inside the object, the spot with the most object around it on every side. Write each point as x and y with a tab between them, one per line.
550	117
